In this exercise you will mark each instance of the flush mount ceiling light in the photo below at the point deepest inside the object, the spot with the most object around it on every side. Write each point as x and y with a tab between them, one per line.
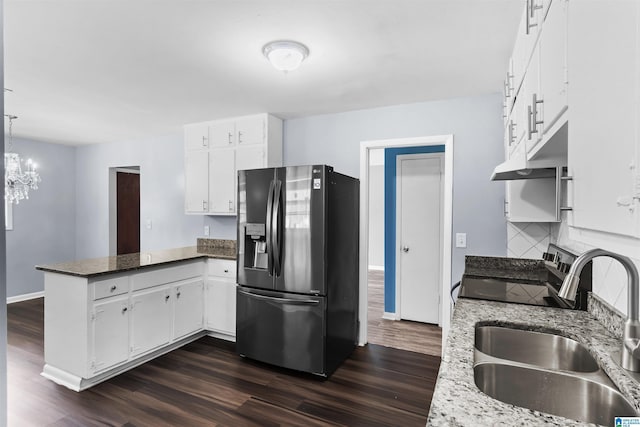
285	55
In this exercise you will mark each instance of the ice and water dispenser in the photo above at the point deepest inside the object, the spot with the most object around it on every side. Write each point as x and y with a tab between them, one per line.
255	242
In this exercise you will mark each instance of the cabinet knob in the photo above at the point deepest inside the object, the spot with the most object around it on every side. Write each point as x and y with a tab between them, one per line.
226	270
124	310
405	249
166	298
113	288
178	295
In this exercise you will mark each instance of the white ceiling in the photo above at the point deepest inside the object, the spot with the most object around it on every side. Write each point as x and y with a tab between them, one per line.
91	71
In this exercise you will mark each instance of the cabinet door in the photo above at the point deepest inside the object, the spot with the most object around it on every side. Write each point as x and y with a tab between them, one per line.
222	134
188	308
553	66
603	143
222	181
196	136
109	333
221	306
250	130
150	319
251	157
196	167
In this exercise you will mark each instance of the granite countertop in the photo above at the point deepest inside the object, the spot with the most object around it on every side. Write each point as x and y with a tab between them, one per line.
531	270
206	248
457	400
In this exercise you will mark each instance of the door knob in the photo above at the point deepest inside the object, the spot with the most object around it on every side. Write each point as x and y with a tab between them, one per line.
405	249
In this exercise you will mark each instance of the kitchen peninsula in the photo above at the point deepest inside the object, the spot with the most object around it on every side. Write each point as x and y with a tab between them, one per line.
104	316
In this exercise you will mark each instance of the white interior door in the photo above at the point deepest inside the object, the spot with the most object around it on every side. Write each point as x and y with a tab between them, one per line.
419	224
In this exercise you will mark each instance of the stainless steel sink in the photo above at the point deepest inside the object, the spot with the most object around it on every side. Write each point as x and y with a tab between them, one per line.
547	373
534	348
557	393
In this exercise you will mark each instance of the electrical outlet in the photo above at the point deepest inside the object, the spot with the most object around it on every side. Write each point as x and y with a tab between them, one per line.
461	240
206	230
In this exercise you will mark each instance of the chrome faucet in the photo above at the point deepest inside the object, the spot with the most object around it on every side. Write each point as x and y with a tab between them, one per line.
630	354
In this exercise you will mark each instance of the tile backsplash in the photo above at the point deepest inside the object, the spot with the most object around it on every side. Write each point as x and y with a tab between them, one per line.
527	239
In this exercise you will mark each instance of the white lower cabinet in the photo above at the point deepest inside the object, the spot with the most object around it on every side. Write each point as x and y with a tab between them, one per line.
109	333
150	319
188	308
221	298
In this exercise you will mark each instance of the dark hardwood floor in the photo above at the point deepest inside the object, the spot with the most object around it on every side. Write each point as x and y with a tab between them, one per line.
401	334
206	384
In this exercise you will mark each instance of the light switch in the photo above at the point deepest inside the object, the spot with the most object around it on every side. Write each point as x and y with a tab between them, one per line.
461	240
148	224
206	230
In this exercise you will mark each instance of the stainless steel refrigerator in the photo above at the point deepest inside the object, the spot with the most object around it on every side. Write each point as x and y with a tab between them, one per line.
297	295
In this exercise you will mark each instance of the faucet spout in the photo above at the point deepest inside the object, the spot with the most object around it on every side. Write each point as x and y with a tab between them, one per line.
631	333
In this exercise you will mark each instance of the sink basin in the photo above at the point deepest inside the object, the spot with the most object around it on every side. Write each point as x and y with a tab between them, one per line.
557	393
534	348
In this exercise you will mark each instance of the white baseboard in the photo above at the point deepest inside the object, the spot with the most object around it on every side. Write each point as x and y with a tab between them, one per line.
25	297
390	316
376	267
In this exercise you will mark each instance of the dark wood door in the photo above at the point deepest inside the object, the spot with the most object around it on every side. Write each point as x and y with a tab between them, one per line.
128	206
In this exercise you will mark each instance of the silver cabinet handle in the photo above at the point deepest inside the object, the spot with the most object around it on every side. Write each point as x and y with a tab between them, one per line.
530	12
511	132
204	205
239	137
230	205
113	288
405	249
533	115
204	141
230	135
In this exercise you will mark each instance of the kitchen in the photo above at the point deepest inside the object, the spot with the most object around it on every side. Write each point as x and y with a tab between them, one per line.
324	138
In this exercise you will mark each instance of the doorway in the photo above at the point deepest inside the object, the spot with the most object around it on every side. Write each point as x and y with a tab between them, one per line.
367	148
419	240
124	210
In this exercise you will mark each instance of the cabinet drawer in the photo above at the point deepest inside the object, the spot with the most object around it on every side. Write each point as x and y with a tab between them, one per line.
163	275
222	268
110	287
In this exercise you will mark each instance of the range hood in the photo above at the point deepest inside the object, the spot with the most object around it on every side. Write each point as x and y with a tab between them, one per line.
520	168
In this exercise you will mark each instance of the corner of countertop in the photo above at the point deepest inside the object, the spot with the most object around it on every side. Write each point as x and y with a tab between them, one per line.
217	247
610	317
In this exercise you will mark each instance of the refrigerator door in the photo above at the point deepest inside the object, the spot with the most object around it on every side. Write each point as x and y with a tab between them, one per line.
255	210
282	329
299	230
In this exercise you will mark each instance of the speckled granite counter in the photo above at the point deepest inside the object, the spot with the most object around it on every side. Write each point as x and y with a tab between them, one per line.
531	270
224	249
457	401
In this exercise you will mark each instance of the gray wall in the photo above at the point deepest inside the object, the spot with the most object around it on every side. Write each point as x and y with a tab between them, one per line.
43	226
161	161
477	129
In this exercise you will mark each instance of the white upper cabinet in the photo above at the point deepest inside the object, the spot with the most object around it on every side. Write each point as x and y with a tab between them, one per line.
223	134
604	147
196	167
196	137
249	142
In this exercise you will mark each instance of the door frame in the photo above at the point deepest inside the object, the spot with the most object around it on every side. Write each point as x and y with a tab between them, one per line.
113	205
398	225
365	147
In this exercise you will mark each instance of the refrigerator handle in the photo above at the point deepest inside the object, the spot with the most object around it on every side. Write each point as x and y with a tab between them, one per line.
277	222
280	300
269	231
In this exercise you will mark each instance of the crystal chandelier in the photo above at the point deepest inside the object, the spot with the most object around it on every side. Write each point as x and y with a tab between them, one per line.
16	182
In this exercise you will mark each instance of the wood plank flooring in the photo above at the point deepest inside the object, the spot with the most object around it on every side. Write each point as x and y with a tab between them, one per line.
401	334
206	384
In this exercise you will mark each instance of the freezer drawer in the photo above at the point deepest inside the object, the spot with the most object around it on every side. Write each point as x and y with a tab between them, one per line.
282	329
